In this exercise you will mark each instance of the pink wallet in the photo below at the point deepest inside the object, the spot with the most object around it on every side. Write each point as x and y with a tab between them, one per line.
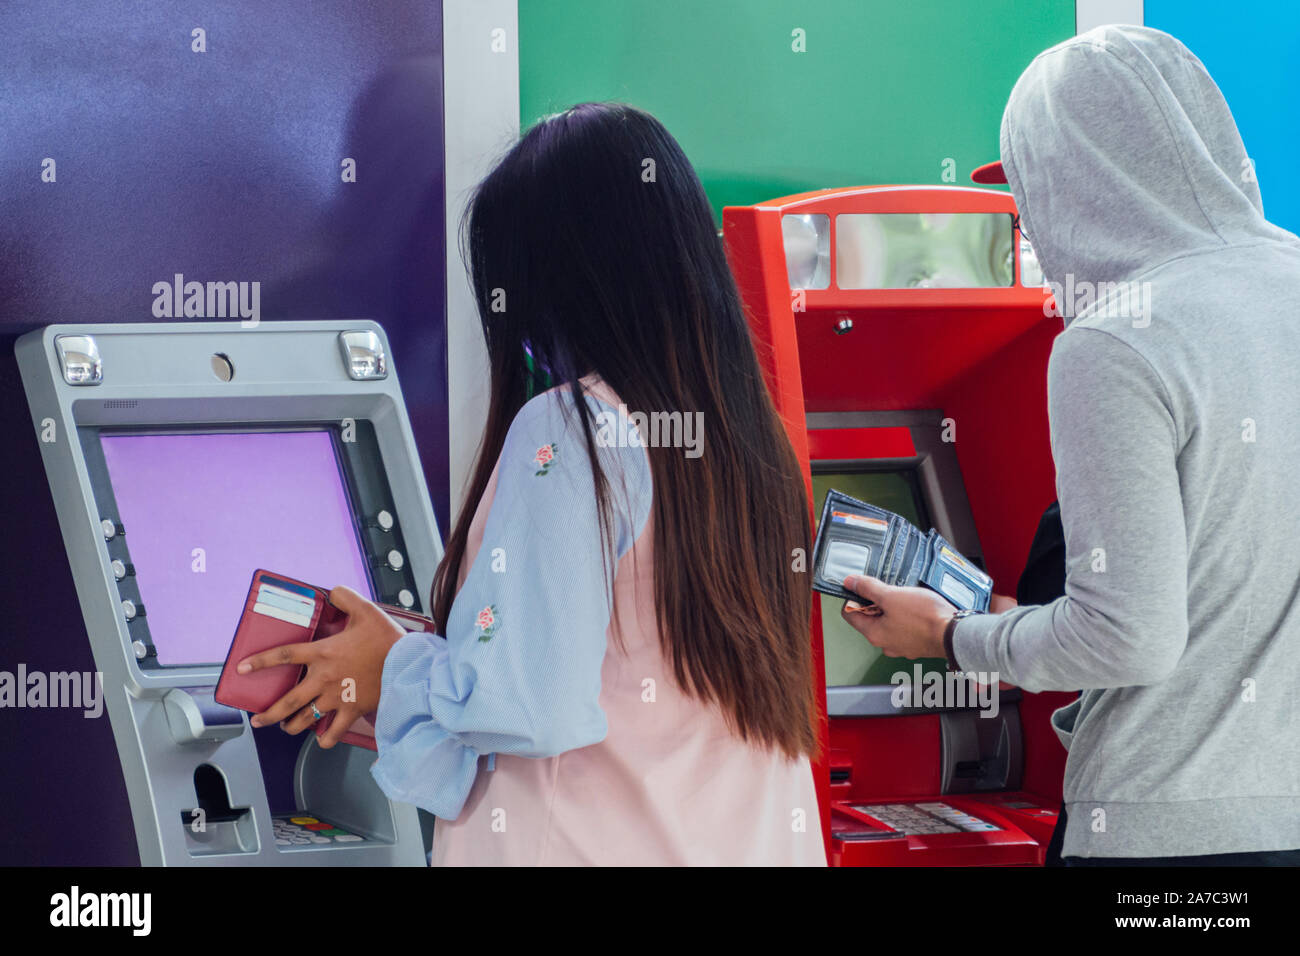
279	611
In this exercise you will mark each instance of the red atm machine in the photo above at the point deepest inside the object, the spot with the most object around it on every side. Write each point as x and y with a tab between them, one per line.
904	338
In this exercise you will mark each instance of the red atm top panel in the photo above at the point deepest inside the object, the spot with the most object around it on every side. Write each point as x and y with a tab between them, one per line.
964	326
889	199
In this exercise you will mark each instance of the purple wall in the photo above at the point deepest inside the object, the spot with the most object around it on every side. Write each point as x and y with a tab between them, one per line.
224	166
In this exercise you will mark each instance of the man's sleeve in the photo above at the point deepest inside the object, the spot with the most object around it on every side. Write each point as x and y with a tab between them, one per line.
1123	619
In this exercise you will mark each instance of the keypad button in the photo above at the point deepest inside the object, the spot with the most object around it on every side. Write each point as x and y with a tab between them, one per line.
924	818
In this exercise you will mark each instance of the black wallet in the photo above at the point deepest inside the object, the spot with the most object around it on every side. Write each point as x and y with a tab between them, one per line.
857	538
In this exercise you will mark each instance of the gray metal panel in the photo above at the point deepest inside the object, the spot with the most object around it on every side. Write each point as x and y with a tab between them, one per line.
936	464
160	374
993	744
1096	13
481	112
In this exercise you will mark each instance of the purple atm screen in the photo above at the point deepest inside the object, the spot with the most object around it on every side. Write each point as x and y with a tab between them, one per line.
203	511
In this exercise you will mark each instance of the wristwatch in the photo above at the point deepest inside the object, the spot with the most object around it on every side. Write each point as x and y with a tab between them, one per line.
948	633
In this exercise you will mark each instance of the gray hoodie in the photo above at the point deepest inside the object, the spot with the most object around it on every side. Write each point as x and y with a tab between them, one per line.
1174	395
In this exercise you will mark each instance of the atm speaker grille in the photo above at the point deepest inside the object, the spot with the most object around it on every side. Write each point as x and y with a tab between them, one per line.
121	403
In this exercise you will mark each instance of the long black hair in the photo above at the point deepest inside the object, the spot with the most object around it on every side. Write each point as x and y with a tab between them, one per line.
592	249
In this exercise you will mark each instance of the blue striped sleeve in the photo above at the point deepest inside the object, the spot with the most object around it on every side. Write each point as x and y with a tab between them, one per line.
519	671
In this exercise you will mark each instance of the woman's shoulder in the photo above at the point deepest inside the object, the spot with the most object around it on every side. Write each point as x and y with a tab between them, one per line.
556	408
549	433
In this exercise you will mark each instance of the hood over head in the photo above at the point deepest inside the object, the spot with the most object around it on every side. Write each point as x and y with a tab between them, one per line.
1122	154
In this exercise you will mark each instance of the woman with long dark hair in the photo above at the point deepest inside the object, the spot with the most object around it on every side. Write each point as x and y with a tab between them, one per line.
626	675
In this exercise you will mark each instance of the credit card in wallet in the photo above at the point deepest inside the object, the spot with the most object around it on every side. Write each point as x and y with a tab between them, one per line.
955	577
858	538
279	611
853	538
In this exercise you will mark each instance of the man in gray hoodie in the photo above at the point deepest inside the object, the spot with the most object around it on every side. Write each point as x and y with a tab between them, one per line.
1174	397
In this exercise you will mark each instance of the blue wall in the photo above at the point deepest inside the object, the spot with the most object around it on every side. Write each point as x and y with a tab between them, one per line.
1252	49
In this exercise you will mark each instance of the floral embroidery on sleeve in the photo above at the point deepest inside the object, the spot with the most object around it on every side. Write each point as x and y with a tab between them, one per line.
487	622
545	458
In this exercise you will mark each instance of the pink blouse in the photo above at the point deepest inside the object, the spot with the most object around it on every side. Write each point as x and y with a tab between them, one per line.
668	785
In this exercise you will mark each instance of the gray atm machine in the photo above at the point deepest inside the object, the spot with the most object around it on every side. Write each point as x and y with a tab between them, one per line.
181	457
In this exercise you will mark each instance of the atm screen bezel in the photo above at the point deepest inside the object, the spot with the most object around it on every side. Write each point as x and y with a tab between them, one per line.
347	455
942	494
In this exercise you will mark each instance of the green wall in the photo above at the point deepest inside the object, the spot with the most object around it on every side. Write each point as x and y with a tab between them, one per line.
885	92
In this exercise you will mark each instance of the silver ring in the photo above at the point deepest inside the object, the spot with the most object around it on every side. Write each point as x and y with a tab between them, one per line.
314	712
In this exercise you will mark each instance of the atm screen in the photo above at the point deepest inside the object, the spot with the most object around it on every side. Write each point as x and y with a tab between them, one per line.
202	511
850	660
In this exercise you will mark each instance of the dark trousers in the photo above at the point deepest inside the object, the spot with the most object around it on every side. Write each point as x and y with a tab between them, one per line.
1263	858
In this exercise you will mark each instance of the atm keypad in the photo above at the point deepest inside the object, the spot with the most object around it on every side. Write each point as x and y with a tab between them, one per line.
301	829
924	818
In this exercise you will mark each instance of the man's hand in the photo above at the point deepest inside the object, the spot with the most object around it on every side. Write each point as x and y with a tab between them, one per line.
1001	602
905	622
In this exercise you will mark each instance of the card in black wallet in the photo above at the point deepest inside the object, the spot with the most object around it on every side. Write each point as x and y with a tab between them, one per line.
854	537
954	577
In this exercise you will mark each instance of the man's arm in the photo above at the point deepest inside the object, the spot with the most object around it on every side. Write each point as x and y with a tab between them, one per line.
1123	619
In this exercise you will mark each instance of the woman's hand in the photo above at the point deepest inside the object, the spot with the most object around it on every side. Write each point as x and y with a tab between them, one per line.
343	671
